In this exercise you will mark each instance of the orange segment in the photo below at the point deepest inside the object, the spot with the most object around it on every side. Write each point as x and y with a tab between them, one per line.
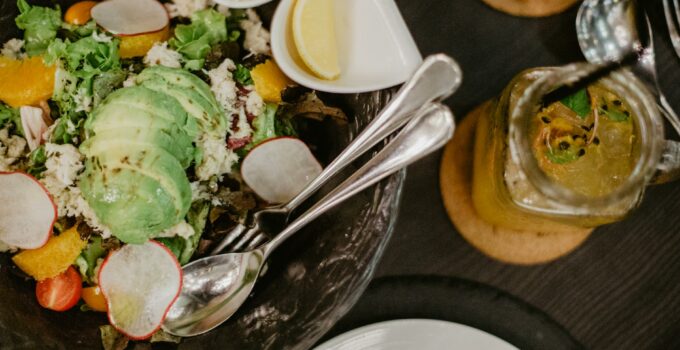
25	82
94	298
269	81
139	45
79	13
53	258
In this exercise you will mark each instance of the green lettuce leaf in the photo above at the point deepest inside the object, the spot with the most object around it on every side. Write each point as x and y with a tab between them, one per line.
40	26
184	248
36	162
194	41
242	75
87	72
10	116
265	125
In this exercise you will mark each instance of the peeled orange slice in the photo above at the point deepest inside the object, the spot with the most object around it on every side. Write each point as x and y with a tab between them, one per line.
25	82
53	258
269	81
314	36
139	45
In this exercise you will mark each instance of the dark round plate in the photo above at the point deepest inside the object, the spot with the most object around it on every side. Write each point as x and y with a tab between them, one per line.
311	282
461	301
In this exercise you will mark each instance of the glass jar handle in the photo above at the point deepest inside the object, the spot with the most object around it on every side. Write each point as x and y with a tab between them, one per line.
669	168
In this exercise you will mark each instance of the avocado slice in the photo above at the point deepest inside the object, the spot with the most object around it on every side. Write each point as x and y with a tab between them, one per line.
180	147
134	206
179	77
208	116
151	161
121	117
153	102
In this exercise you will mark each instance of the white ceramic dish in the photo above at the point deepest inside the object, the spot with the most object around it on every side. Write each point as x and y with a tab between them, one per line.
411	334
242	4
376	48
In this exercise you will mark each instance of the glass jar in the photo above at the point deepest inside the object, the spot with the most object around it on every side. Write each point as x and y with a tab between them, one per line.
510	189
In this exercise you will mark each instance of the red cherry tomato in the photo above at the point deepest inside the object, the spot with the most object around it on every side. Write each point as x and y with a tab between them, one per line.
60	293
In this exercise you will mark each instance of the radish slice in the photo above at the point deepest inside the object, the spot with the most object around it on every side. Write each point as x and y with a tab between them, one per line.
131	17
27	212
277	170
140	283
34	125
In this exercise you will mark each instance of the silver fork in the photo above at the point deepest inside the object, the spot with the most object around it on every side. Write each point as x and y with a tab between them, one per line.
672	11
437	78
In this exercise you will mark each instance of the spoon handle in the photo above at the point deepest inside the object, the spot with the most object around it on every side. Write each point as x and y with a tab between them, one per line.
437	78
429	130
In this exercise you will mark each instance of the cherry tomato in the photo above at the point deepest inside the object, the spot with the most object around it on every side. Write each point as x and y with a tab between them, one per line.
94	298
79	13
60	293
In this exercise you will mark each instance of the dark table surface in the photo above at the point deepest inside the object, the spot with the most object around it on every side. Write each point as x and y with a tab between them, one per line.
621	289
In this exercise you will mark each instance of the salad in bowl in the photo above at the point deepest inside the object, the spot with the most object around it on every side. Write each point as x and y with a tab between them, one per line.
123	128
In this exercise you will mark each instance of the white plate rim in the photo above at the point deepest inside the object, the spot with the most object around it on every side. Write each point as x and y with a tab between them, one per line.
348	337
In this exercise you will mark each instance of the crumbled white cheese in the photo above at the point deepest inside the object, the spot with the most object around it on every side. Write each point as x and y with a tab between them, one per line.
235	106
185	8
257	37
223	85
131	80
101	37
254	102
200	191
217	158
63	165
83	100
243	126
12	49
161	55
12	148
183	229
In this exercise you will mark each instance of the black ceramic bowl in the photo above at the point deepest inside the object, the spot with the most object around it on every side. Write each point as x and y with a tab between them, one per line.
311	282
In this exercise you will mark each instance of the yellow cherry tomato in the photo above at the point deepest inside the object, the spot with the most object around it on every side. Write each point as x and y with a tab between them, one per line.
79	13
94	298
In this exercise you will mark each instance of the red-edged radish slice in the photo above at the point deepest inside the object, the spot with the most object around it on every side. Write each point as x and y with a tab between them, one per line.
278	169
131	17
140	283
27	212
34	125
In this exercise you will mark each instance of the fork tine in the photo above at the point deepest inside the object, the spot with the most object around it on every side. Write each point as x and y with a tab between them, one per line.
244	240
257	241
672	12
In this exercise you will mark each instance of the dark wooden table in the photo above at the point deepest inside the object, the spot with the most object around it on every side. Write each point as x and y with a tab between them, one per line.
621	289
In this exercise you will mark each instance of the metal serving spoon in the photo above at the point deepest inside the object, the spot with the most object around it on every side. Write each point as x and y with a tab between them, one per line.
608	31
437	78
215	287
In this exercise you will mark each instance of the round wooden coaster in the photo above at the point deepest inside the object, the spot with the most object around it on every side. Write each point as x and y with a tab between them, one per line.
516	247
531	8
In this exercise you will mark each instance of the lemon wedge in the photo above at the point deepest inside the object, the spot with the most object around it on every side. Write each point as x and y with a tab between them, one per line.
314	35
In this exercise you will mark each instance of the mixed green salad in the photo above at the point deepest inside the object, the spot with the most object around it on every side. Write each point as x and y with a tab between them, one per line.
135	128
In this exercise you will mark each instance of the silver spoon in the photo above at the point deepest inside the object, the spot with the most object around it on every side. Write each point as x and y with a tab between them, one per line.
437	78
214	288
608	31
